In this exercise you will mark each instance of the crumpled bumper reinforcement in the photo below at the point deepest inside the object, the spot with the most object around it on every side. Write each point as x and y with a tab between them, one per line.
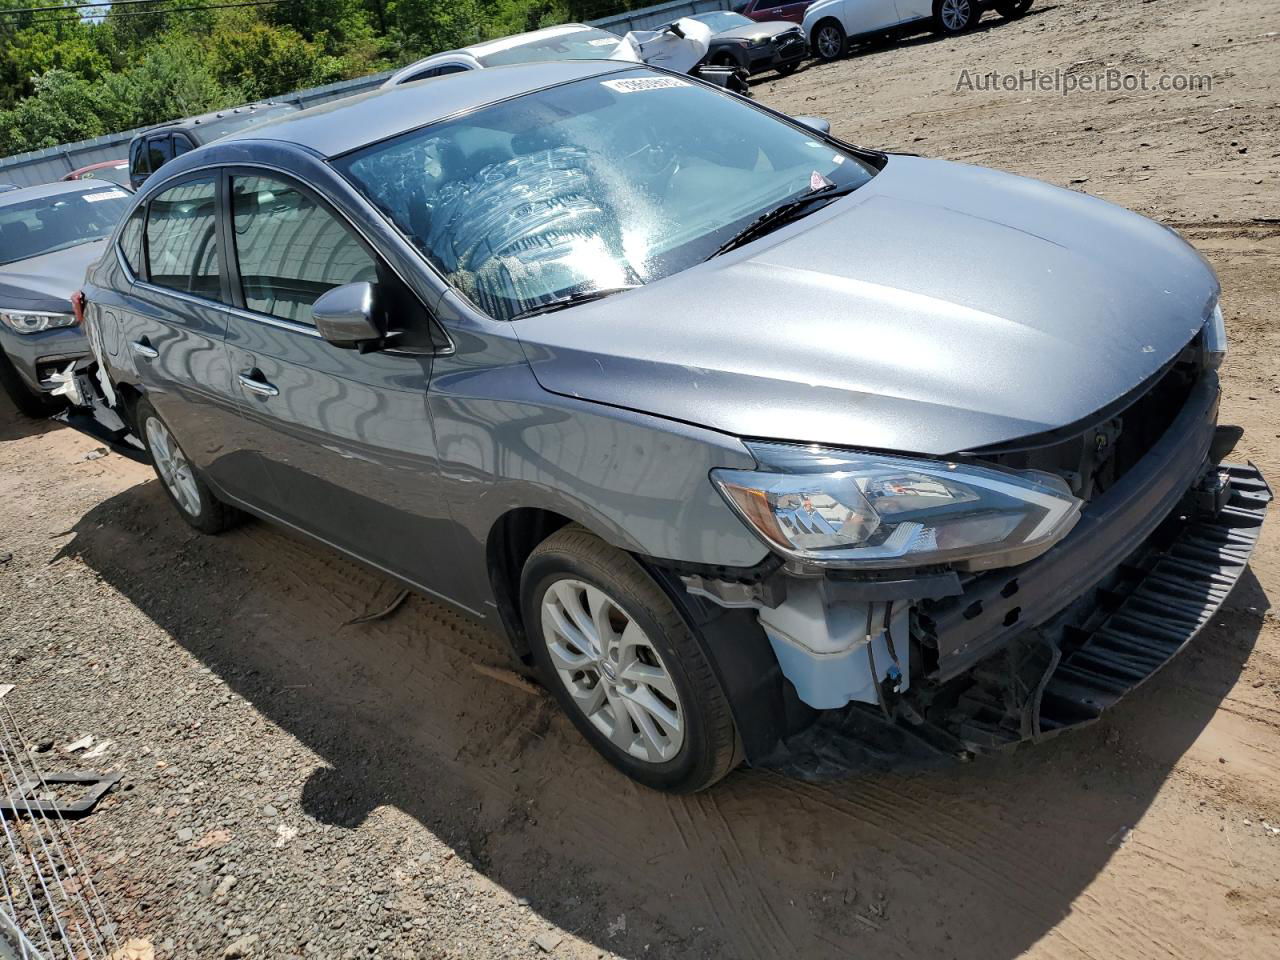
1155	602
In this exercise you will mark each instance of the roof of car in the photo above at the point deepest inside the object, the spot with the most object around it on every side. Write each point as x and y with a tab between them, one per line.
532	36
23	194
206	126
337	127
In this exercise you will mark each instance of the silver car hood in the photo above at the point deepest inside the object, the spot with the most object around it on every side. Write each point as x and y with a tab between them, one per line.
49	278
940	308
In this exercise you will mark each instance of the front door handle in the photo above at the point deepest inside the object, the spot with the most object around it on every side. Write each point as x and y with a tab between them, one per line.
254	385
144	349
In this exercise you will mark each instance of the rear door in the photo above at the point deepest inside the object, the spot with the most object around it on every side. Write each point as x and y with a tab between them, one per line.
345	436
172	324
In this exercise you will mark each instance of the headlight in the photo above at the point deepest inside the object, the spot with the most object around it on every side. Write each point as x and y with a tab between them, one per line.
1215	338
26	321
761	41
863	510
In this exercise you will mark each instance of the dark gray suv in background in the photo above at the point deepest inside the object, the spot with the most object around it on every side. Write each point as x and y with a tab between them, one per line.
756	444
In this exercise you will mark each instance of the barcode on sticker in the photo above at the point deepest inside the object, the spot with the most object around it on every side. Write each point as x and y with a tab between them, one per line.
104	195
640	84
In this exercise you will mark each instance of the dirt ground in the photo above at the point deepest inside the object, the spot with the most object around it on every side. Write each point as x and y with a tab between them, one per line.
297	787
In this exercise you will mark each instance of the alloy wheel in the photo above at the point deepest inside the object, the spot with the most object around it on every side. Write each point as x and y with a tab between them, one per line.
612	671
829	42
956	14
174	468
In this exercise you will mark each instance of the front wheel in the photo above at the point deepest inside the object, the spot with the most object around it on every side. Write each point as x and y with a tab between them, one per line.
1012	9
787	69
955	16
621	661
830	41
181	481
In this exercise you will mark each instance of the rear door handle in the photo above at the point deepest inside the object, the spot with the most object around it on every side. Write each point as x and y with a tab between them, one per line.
260	387
144	349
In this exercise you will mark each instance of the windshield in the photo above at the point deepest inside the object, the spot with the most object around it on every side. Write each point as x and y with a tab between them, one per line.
34	227
597	184
723	20
587	44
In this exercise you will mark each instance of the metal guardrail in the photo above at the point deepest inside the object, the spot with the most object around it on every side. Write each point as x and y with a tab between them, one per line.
53	163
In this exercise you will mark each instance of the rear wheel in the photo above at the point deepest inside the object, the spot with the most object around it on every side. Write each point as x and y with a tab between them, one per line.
29	402
180	479
830	41
1012	9
955	16
621	661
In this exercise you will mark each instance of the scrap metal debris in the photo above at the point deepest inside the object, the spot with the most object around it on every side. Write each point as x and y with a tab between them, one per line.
386	611
49	906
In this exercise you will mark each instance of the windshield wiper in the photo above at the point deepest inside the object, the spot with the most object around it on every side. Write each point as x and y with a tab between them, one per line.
782	214
572	300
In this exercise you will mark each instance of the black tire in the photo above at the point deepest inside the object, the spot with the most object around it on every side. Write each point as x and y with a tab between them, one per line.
829	41
28	402
709	750
960	14
1012	9
723	60
212	515
787	69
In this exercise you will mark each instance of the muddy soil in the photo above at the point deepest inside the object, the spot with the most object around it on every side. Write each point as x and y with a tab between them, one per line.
295	786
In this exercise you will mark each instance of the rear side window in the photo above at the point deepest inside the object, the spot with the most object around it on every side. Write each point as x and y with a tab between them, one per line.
131	241
182	239
181	144
290	249
138	156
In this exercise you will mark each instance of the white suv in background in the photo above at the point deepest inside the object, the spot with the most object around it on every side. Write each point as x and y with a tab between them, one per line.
829	25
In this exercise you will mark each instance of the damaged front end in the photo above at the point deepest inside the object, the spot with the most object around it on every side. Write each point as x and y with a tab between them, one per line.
911	665
93	405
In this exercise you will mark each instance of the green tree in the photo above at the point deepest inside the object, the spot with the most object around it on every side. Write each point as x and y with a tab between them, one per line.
62	107
264	61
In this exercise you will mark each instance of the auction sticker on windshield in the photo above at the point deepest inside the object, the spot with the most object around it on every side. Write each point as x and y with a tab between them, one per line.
640	84
104	195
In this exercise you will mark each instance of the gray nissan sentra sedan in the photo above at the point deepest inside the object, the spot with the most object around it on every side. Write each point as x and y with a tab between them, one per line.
759	446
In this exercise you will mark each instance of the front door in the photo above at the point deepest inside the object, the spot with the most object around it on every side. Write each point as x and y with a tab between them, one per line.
345	436
869	16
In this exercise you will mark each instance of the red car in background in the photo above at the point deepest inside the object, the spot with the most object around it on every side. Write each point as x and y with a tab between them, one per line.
763	11
117	171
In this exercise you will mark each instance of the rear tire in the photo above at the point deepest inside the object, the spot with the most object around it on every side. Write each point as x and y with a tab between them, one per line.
604	635
951	17
830	42
179	479
1012	9
28	402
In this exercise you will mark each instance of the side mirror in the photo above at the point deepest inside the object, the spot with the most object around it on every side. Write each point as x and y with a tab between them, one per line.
815	123
345	315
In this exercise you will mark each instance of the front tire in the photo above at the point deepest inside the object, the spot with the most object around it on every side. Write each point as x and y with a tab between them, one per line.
787	69
1012	9
179	478
624	665
830	41
955	16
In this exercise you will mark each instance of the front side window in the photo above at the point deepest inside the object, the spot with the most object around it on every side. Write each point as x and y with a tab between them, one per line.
182	239
32	228
598	184
290	249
